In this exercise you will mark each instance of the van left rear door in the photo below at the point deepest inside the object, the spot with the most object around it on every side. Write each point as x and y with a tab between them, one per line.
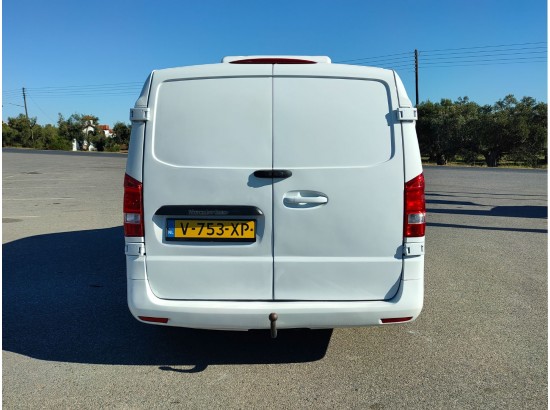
210	129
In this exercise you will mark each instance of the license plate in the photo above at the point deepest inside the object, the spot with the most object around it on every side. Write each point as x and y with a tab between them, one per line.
211	230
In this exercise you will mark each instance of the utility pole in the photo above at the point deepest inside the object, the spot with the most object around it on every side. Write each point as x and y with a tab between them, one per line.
27	113
25	102
416	73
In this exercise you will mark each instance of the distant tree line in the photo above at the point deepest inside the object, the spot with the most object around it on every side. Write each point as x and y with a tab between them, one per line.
22	132
511	130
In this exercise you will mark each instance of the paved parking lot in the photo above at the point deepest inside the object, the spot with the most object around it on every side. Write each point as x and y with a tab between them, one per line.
70	342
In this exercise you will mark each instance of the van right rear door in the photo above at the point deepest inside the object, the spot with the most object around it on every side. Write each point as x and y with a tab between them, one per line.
338	220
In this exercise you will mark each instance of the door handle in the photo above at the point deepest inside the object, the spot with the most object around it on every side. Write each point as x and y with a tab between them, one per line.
273	173
304	199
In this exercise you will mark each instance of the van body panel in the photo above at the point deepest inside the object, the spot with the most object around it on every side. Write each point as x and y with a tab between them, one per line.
412	158
134	164
198	153
337	133
213	123
247	315
346	249
328	202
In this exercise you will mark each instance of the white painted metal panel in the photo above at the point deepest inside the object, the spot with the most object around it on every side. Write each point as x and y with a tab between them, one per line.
335	272
210	129
339	136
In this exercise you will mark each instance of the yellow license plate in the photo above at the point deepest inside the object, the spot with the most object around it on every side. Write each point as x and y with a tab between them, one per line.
211	230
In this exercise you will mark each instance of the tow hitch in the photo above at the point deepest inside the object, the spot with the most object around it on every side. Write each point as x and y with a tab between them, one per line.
273	319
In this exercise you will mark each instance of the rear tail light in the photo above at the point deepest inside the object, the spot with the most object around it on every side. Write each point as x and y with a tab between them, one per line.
415	208
133	207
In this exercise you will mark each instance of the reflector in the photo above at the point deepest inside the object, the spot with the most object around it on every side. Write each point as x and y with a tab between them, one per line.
396	319
154	319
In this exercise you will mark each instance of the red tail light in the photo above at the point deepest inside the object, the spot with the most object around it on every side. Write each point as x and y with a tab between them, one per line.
273	61
415	208
133	207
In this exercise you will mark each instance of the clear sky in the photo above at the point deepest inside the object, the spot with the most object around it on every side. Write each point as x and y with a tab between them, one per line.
92	57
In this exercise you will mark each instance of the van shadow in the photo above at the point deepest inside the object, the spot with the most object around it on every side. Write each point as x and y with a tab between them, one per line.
64	299
527	211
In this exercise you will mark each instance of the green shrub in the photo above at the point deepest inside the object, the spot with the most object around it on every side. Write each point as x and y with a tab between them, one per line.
112	147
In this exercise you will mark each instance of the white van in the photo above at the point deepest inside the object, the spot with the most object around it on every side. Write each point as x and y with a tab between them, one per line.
274	192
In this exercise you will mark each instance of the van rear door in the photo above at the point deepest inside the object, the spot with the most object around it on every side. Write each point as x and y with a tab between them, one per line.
210	128
338	229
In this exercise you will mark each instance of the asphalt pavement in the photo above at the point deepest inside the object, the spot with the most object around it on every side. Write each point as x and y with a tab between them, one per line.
70	342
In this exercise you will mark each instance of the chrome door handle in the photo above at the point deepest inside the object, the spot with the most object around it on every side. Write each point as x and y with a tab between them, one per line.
304	198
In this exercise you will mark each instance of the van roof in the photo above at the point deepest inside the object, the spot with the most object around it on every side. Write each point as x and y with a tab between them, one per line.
276	59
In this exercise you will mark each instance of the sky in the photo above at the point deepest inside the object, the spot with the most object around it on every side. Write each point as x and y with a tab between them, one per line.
93	57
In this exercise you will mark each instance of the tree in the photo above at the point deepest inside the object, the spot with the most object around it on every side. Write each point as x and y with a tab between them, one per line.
511	128
531	126
21	131
10	137
426	130
466	142
71	128
122	133
47	137
80	127
501	130
52	140
445	128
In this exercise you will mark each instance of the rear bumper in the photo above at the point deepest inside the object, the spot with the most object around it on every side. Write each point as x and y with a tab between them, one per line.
245	315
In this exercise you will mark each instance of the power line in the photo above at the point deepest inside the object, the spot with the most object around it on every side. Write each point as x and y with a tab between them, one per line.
428	55
533	54
11	92
93	86
88	90
480	47
495	60
502	54
17	105
85	90
40	108
405	62
12	98
83	94
110	90
388	61
482	64
484	51
370	58
396	65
